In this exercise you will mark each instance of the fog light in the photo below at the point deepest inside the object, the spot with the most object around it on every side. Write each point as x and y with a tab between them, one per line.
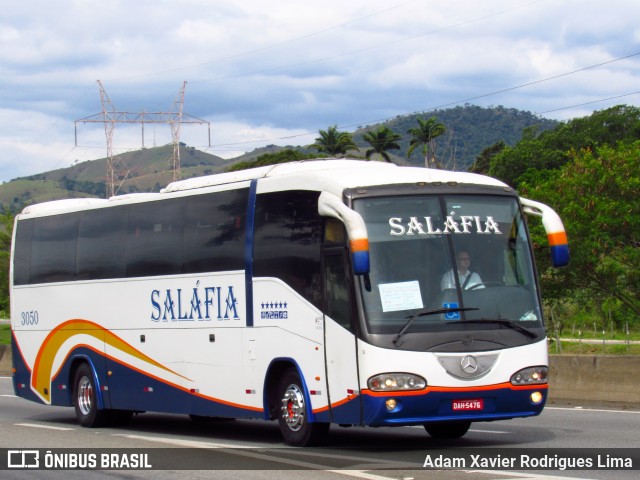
391	404
536	397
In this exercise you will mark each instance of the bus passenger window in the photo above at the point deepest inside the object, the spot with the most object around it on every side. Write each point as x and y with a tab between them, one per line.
337	291
154	240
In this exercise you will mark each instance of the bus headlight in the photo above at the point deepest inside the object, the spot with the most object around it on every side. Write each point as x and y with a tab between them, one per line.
393	382
530	376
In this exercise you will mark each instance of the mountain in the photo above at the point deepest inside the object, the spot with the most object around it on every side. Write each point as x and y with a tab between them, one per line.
469	130
146	170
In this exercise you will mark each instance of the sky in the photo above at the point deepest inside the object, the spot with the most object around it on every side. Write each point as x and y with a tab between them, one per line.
262	72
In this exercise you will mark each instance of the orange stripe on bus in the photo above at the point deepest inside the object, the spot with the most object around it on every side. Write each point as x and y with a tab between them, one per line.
359	245
43	365
336	404
558	238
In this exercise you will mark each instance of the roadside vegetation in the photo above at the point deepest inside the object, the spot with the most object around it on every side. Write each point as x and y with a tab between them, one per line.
5	334
600	348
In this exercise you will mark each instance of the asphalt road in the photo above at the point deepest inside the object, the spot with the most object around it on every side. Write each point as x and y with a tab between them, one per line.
241	449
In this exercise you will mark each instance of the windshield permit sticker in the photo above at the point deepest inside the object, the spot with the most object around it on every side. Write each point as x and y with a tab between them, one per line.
400	296
451	315
426	226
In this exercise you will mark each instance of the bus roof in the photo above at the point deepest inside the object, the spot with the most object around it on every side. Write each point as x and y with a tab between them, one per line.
334	175
331	175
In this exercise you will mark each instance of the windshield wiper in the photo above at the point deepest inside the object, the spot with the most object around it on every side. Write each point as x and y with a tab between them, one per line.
422	313
505	323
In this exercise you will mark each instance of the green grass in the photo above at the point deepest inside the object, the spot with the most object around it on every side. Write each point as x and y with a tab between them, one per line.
589	335
5	334
581	348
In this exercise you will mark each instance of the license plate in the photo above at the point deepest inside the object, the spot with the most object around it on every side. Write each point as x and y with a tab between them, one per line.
466	405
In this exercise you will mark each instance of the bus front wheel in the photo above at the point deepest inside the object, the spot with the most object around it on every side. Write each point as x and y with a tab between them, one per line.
447	429
293	415
85	399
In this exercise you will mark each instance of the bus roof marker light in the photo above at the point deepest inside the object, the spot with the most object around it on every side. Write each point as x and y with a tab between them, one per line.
331	206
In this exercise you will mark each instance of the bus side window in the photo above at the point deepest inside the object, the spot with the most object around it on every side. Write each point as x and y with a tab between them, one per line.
53	252
22	252
154	238
101	237
288	235
214	232
337	305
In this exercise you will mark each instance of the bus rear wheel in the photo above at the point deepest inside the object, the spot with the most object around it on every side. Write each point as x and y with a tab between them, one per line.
447	429
293	414
85	399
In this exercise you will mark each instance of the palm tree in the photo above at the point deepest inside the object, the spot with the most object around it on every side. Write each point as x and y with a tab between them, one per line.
333	142
382	140
425	134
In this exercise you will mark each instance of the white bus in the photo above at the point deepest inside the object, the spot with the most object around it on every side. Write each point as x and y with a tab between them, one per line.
311	292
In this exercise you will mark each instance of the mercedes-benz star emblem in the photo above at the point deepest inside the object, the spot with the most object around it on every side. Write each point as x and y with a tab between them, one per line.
469	364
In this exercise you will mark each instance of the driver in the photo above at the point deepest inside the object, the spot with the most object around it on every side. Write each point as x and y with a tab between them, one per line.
466	277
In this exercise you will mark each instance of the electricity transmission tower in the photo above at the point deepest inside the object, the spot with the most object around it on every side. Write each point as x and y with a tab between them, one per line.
110	116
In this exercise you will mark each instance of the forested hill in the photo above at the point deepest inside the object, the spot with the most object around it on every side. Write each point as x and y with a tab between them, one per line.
469	130
146	170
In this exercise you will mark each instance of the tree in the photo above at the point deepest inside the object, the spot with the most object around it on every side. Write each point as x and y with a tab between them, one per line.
381	140
6	229
425	135
333	142
550	149
283	156
595	193
483	161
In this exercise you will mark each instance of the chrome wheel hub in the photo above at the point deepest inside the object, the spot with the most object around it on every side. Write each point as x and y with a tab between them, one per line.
293	408
85	395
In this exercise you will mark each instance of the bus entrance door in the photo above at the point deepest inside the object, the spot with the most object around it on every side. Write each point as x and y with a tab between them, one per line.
340	339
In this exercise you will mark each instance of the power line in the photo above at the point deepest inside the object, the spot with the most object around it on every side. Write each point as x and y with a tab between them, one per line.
360	50
457	102
274	45
109	117
589	103
334	27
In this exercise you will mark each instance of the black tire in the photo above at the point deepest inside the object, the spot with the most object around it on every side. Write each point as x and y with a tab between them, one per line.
447	430
85	399
293	413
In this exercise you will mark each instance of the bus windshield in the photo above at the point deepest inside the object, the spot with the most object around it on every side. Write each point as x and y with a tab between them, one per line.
448	272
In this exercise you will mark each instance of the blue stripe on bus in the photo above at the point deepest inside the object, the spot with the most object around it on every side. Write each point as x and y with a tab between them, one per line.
560	255
360	262
248	251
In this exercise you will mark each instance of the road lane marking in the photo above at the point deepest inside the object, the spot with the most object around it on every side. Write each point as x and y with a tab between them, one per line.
242	451
586	409
48	427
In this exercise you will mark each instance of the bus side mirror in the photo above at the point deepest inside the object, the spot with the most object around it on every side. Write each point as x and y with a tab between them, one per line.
554	227
331	206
